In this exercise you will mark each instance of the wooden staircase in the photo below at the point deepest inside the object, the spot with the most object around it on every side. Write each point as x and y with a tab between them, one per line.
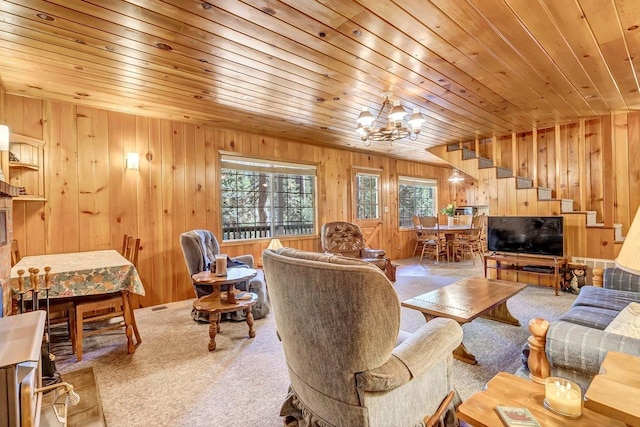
506	194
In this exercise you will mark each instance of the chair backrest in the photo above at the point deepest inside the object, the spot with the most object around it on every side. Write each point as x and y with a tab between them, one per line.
416	225
465	219
130	248
15	252
341	237
199	248
428	221
430	227
335	316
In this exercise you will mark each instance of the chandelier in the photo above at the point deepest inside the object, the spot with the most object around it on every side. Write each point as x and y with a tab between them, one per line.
396	128
456	177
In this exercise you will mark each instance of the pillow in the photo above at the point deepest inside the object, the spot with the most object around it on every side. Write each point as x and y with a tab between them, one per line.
627	322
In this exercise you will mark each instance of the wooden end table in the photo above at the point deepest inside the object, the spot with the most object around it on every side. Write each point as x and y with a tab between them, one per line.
218	302
506	389
466	300
615	391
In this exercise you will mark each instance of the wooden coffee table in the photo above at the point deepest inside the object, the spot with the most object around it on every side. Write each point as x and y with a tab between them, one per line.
615	391
464	301
506	389
218	302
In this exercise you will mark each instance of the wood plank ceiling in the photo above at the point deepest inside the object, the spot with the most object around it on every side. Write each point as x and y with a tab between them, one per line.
303	69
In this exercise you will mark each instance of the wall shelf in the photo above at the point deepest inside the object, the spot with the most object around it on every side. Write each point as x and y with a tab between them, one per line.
28	198
23	165
26	167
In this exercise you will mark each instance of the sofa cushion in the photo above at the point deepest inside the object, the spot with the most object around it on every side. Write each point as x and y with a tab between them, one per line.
591	296
627	322
591	317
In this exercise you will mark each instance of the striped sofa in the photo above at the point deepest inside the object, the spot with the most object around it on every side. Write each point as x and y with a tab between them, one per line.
576	343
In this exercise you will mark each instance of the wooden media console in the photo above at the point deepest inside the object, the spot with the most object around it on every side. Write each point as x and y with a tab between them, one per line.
525	264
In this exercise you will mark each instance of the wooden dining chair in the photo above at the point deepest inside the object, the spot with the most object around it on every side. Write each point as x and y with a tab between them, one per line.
419	236
15	252
433	244
470	242
101	308
130	248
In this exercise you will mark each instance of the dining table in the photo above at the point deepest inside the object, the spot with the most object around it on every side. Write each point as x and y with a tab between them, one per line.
450	232
78	274
74	277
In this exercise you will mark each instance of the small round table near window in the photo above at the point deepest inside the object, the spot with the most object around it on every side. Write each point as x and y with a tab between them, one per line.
218	302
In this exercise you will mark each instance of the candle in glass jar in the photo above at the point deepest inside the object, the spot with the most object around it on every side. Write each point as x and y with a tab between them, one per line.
221	264
563	396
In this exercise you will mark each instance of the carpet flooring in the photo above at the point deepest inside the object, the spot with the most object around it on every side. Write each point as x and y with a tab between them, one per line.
173	380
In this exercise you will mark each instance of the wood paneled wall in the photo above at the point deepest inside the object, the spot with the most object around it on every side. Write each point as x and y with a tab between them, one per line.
92	199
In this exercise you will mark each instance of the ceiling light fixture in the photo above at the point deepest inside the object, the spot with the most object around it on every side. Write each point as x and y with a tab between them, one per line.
396	128
456	177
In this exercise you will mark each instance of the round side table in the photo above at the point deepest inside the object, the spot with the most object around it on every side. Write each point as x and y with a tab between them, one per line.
218	302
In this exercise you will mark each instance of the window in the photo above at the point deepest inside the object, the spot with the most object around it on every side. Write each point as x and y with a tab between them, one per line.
262	199
368	195
416	197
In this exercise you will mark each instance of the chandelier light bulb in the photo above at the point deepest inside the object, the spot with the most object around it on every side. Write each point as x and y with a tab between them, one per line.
365	118
397	113
416	120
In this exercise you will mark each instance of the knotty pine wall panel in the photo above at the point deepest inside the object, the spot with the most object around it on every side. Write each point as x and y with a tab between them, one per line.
93	199
621	160
526	158
593	144
629	182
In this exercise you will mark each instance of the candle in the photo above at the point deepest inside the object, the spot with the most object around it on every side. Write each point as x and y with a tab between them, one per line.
221	265
563	396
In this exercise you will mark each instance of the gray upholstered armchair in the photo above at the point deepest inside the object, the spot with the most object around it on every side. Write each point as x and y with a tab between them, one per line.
349	364
346	239
199	248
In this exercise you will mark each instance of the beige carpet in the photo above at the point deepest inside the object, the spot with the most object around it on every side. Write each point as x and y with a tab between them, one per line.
173	380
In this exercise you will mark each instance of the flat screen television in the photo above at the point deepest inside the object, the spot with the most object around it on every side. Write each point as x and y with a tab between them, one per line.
535	235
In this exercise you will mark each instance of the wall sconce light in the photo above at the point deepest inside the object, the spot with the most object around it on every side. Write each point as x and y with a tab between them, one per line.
133	161
4	138
275	244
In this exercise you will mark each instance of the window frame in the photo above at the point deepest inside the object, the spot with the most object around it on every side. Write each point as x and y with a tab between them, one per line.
272	168
356	190
427	182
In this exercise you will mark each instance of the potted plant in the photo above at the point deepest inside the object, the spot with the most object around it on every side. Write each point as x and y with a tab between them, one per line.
449	211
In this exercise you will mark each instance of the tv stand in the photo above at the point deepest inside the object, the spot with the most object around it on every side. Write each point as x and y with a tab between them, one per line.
528	264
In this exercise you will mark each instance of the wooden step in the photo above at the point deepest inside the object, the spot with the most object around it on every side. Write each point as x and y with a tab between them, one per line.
503	172
468	154
453	147
545	193
484	163
567	205
522	182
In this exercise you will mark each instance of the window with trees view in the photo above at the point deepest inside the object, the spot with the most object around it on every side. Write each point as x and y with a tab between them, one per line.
416	197
368	195
263	199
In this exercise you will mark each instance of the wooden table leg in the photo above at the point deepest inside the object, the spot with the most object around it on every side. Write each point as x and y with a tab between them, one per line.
249	317
462	354
501	313
214	328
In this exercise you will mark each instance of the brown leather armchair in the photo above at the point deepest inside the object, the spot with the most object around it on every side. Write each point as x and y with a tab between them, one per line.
346	239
